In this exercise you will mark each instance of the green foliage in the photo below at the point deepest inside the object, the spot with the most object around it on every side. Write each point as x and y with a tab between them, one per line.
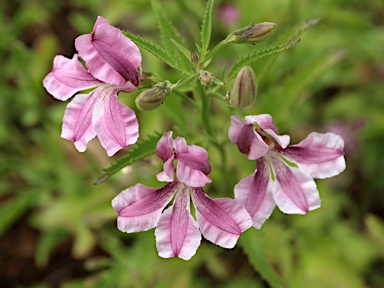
206	29
49	207
143	148
254	56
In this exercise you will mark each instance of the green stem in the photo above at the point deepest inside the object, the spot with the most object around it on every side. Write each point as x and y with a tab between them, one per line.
206	106
215	50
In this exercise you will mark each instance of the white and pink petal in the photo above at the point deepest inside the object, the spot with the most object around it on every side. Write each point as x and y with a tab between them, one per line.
320	155
139	207
294	191
255	194
177	233
247	140
77	120
221	220
67	77
109	55
115	124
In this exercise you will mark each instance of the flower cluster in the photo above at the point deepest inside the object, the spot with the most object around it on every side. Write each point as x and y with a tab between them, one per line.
112	61
284	174
140	208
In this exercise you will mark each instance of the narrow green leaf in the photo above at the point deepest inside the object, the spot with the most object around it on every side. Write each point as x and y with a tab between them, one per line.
254	56
169	31
292	34
181	48
153	49
252	245
47	242
166	27
142	149
206	29
285	98
12	210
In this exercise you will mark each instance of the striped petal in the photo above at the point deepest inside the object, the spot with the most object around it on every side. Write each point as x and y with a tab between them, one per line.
68	76
177	233
255	193
320	155
139	207
77	121
221	220
116	125
294	191
110	56
248	141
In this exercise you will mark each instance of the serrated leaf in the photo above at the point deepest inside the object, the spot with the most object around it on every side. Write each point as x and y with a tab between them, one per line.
300	28
252	245
206	29
254	56
142	149
153	49
184	51
169	31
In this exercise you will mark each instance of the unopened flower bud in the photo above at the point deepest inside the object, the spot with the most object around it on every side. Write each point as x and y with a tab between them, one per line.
253	33
244	89
152	98
207	79
194	58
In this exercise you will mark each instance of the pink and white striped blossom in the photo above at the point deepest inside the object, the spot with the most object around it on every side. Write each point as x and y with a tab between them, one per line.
111	61
178	234
284	174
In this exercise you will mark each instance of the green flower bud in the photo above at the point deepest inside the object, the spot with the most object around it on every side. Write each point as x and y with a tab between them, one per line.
152	98
207	79
253	33
194	58
244	89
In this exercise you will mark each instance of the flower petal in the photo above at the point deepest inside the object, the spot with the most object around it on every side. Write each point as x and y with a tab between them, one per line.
115	124
255	193
265	122
222	220
169	171
110	56
164	146
196	158
294	191
191	177
177	233
77	121
67	77
320	155
139	207
247	140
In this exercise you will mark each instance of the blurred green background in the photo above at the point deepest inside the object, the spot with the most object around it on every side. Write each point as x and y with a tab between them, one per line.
57	229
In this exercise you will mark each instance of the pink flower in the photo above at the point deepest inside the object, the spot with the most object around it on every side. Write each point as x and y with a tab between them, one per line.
178	234
112	61
284	174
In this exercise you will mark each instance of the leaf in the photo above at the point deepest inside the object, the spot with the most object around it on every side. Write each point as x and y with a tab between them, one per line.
169	31
184	51
153	49
254	56
142	149
252	244
300	28
12	210
284	99
47	242
206	29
